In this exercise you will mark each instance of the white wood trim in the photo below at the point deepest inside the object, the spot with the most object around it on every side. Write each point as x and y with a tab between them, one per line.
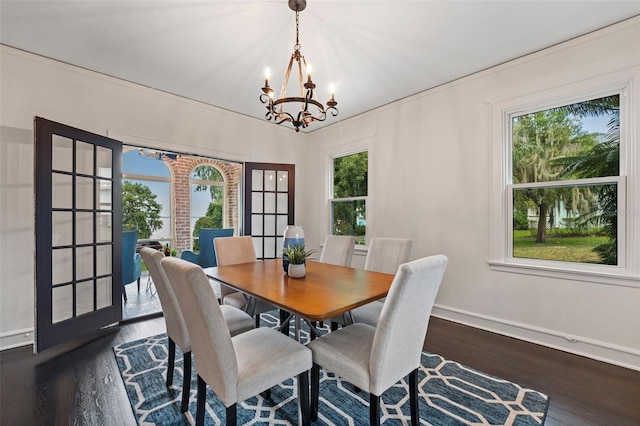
16	338
602	351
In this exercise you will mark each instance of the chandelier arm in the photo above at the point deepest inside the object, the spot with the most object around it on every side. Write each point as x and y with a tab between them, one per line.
283	90
300	79
264	98
288	117
320	117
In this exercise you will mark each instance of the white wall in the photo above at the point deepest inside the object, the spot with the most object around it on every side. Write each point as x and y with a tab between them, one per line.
430	158
431	181
34	86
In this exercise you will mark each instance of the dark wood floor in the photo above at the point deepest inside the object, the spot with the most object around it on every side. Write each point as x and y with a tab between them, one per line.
82	386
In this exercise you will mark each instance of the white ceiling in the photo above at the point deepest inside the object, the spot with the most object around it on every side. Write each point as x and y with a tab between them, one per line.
374	52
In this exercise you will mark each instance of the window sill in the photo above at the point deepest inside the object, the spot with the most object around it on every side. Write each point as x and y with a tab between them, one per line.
566	274
360	250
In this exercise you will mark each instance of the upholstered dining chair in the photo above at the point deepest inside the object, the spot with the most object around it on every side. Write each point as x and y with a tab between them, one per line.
338	250
237	321
207	255
232	251
131	261
375	358
238	367
384	255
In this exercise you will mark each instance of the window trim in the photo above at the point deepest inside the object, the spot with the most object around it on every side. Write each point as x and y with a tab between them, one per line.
347	199
627	272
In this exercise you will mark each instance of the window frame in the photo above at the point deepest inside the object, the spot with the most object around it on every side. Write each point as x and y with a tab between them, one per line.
342	150
619	181
627	272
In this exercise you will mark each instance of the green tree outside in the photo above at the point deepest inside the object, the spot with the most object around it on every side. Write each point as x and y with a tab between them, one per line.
552	146
140	210
538	139
213	217
603	159
350	179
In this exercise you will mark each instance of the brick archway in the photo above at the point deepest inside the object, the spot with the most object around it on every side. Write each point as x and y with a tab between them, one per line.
181	168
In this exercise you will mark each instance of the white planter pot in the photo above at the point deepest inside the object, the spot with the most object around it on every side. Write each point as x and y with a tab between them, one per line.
297	271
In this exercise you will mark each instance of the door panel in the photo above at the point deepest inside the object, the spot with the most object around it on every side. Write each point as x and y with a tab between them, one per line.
78	281
269	205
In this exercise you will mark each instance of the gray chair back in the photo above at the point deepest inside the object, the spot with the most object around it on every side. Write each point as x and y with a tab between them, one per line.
176	327
211	344
387	254
402	327
232	251
338	250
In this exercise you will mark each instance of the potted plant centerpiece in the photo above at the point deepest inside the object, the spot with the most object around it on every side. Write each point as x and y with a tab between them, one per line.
296	255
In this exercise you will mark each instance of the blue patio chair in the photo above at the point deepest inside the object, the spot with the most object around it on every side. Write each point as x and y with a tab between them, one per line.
131	261
207	256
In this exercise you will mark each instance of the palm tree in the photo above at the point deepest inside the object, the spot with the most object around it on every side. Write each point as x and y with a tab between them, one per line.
538	139
602	160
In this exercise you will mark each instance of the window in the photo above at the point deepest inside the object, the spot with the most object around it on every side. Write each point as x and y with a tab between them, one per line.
207	200
565	182
564	190
349	195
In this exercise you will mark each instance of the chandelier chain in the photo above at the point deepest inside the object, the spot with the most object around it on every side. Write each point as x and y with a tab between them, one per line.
297	46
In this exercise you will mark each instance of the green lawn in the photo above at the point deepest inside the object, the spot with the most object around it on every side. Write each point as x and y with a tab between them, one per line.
568	249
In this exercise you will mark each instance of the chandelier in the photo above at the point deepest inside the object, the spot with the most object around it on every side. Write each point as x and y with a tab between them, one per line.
305	108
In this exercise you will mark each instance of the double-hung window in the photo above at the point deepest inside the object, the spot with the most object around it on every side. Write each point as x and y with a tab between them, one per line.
562	191
565	183
349	195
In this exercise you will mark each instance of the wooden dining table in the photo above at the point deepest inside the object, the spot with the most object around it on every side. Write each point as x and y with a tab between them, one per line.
326	290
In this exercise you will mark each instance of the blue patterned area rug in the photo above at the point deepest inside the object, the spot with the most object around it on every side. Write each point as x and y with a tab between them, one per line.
450	394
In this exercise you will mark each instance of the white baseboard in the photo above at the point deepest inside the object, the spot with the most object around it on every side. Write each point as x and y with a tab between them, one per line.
590	348
15	338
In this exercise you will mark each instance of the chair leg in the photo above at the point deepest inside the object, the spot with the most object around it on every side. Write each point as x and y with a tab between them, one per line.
257	320
374	410
202	398
413	397
138	284
303	397
172	361
186	382
124	293
315	391
334	326
231	415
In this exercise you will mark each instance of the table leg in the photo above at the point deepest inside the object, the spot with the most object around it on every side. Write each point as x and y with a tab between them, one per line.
296	322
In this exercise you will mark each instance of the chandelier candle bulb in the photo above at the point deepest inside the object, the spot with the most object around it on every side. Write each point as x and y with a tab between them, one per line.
309	73
267	74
